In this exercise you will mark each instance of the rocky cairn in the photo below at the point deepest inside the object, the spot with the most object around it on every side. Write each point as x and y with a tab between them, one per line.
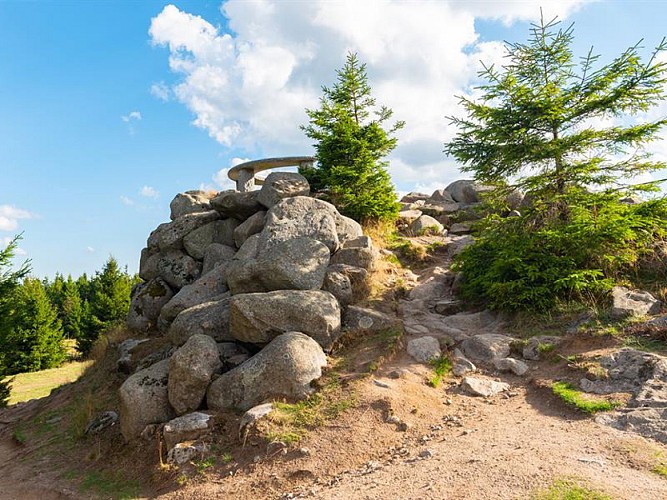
250	290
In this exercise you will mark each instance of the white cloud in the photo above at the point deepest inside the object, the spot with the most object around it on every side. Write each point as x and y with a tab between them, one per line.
248	88
90	250
221	179
133	115
126	201
149	192
161	90
10	216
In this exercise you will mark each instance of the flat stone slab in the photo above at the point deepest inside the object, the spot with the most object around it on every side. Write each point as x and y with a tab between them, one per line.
242	172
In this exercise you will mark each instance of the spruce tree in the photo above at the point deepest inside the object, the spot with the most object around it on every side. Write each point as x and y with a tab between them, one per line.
566	134
35	339
9	282
351	144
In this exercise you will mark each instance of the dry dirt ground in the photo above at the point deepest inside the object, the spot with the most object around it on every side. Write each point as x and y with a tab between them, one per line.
454	446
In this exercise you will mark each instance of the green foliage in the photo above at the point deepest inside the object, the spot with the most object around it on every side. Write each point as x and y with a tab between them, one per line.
525	263
108	303
532	130
569	489
350	143
35	339
581	401
5	389
441	367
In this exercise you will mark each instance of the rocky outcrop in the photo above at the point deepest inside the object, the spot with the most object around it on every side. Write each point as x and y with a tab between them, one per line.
283	369
233	274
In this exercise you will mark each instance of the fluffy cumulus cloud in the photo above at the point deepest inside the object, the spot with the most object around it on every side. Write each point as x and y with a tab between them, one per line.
248	86
10	217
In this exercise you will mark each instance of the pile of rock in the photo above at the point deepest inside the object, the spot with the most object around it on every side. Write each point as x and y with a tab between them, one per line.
450	209
250	289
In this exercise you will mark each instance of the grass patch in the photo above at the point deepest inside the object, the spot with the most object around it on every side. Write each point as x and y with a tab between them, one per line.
110	486
33	385
289	422
441	367
660	469
569	489
581	401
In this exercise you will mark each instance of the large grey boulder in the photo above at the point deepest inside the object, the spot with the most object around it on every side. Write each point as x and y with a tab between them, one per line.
260	317
190	372
190	427
442	196
209	318
188	203
178	269
221	231
280	185
144	400
252	225
463	191
217	255
486	347
299	217
202	290
237	205
297	264
147	301
283	369
426	224
170	236
627	302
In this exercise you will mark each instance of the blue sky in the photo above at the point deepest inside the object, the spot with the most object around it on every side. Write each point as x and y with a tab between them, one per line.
110	108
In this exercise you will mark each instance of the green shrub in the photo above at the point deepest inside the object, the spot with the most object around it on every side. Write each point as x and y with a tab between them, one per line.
534	261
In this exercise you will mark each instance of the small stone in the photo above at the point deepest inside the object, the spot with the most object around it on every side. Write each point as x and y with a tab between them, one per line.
186	452
425	454
403	427
393	419
483	387
381	384
510	365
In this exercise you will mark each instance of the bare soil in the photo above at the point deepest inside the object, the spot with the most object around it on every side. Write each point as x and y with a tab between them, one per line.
454	446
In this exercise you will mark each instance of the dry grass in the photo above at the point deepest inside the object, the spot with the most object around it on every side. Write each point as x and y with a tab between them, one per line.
34	385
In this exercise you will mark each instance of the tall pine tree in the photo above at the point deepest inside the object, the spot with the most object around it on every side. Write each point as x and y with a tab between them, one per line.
351	142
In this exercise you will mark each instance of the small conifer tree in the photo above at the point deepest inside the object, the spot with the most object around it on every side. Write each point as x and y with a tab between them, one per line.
541	125
351	142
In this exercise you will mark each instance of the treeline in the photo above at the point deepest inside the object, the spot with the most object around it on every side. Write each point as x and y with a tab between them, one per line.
38	316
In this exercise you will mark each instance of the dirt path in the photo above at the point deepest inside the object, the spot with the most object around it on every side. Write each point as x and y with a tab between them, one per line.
451	446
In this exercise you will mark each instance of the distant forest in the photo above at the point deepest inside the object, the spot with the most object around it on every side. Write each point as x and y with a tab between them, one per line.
39	316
